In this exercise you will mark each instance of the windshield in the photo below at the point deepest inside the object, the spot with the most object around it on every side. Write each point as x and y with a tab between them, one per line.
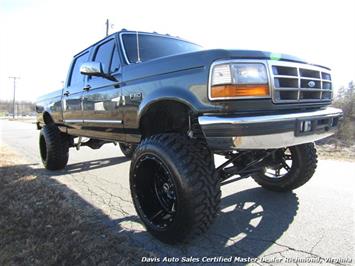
153	46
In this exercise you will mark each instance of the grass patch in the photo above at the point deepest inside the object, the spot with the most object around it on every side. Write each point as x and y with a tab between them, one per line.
42	222
336	150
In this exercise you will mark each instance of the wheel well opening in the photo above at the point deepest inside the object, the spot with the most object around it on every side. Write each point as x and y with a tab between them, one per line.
164	117
47	119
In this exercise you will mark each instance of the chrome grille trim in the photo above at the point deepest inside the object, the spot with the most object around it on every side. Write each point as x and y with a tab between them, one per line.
299	83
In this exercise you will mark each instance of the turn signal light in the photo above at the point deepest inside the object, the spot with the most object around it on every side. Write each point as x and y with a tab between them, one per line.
241	90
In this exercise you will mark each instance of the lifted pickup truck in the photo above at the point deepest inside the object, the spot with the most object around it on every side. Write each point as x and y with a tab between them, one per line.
172	105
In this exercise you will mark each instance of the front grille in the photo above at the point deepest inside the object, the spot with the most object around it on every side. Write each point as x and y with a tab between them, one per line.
295	83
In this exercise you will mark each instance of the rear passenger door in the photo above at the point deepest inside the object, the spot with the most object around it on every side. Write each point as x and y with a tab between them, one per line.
102	114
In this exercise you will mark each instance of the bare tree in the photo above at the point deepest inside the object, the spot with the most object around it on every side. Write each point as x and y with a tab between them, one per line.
21	107
345	100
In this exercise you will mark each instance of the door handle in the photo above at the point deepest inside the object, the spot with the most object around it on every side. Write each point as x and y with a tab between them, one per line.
135	96
87	88
66	93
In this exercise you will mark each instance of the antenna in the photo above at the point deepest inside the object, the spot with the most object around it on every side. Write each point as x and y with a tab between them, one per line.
138	52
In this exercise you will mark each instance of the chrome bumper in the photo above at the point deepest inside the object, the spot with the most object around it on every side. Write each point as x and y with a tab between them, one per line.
269	131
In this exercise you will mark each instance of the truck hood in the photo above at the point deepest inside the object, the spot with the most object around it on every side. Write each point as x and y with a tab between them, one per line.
199	59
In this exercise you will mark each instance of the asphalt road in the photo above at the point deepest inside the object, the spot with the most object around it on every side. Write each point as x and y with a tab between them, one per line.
315	221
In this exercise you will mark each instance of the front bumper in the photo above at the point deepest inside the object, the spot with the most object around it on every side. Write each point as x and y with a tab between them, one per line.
269	131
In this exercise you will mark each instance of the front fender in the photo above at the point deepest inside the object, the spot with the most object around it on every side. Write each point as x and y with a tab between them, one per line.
170	94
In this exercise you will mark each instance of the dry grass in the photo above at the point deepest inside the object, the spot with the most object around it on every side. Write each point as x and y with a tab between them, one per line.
336	151
44	223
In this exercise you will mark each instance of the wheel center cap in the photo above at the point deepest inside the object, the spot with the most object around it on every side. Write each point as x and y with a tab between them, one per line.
166	187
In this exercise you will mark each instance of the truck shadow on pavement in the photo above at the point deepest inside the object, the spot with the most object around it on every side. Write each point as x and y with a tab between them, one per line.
88	165
249	222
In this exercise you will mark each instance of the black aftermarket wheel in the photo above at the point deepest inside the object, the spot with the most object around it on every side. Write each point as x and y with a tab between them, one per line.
289	169
173	187
53	147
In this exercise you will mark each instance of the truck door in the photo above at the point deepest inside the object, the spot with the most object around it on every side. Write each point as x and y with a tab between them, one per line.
72	101
102	114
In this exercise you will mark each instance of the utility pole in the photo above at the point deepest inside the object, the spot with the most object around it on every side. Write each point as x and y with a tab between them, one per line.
13	103
107	25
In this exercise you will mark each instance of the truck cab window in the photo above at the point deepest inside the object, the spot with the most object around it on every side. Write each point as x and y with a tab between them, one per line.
104	54
76	78
115	62
153	46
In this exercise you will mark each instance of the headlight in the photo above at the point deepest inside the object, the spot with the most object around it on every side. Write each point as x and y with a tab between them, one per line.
236	80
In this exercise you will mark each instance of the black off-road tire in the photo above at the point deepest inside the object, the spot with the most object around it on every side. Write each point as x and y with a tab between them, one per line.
189	165
128	149
304	164
53	147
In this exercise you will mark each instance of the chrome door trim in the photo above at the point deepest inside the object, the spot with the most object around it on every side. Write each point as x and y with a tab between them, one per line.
73	121
93	121
102	121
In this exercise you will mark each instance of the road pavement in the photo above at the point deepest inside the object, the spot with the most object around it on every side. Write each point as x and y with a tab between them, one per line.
313	223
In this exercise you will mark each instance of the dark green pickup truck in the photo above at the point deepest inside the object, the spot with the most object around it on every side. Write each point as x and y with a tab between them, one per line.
171	105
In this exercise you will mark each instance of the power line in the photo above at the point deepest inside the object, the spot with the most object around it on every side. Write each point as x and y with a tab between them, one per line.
13	103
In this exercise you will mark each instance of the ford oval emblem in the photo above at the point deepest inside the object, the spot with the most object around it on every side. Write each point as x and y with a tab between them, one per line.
311	84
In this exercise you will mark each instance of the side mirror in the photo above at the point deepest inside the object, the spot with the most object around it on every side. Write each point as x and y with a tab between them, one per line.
92	69
95	69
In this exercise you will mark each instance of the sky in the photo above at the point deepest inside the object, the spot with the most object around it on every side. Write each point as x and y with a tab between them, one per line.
38	38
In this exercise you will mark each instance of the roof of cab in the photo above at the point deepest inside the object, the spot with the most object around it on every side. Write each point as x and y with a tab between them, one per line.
123	31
